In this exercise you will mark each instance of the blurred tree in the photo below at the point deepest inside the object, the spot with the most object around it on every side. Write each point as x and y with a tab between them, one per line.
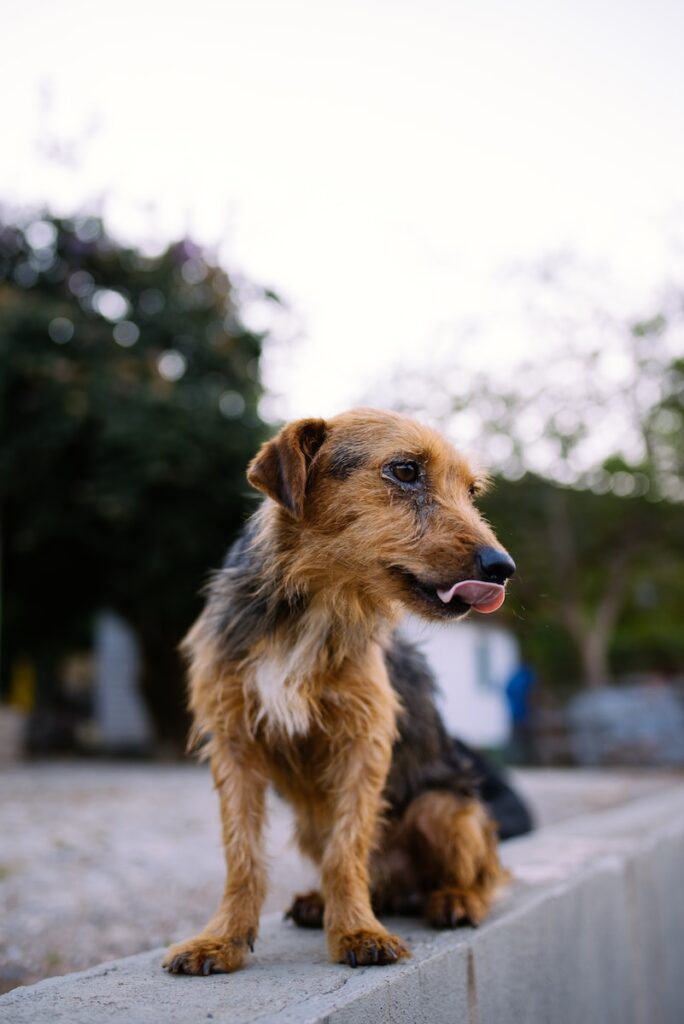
588	565
587	445
128	409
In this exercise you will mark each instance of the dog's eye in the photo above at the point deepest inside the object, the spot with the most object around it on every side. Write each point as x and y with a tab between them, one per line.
473	490
405	472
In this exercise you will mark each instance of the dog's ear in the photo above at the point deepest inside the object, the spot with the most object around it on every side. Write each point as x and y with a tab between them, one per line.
281	466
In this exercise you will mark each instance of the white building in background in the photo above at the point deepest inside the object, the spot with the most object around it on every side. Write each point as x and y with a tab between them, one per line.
473	663
121	719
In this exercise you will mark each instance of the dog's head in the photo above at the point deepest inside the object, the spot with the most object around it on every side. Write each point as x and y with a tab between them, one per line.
377	502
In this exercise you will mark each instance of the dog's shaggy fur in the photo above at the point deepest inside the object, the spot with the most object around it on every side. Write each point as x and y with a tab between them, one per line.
298	677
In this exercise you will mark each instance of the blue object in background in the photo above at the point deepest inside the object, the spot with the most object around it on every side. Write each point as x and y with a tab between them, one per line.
518	693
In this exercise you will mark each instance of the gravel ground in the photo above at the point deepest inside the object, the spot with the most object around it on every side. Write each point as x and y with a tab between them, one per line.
99	861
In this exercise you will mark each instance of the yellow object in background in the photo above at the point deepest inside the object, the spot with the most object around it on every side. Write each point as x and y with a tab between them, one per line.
22	692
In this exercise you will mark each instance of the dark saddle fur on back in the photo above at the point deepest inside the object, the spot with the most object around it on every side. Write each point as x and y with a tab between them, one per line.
426	757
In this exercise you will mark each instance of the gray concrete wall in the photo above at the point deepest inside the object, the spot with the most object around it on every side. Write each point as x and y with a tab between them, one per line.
592	930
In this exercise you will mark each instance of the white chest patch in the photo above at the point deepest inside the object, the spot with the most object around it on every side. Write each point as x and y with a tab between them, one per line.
282	705
281	679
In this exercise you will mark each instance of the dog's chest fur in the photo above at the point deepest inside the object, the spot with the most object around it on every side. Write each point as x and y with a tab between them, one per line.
282	704
283	677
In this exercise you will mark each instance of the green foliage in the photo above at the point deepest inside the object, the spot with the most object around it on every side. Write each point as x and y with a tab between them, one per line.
128	410
575	551
587	443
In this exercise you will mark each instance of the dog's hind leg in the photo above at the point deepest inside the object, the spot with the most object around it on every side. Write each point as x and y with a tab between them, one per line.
453	848
307	910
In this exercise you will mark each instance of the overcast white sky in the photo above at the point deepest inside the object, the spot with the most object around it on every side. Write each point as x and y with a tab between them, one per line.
382	164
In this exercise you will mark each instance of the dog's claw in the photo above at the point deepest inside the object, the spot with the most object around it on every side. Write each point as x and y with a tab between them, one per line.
206	967
368	949
250	943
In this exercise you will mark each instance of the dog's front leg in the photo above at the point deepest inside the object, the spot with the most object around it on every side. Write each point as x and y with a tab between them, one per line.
355	936
223	944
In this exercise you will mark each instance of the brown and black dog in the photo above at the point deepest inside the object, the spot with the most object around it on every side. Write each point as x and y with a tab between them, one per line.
298	678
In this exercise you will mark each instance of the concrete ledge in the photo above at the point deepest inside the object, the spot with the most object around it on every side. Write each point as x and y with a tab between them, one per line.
592	930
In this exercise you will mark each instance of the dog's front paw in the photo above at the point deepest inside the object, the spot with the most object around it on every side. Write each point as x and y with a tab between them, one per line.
367	948
206	955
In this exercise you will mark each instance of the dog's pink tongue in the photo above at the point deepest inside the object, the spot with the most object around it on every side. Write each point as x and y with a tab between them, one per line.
483	597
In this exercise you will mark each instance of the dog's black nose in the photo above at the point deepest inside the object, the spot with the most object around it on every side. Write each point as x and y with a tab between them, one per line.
494	566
